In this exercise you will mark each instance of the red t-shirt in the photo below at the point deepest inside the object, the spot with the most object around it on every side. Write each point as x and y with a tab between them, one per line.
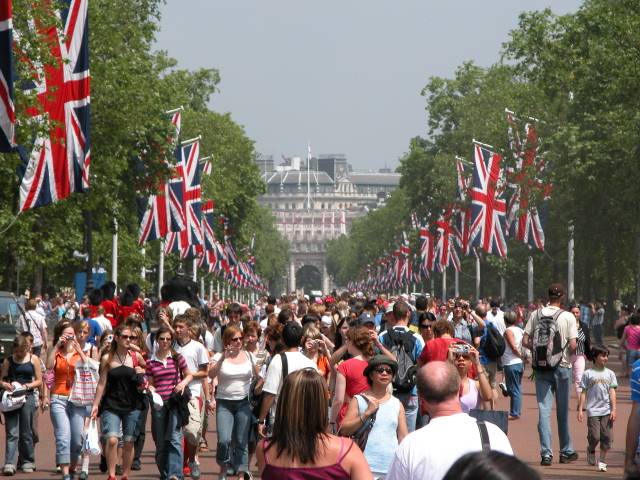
110	310
437	349
353	371
137	307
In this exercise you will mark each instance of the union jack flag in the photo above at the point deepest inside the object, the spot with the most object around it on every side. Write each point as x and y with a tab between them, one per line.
190	190
7	109
523	219
427	253
448	237
164	212
59	162
488	208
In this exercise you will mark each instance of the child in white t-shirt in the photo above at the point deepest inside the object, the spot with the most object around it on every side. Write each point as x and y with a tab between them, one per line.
599	394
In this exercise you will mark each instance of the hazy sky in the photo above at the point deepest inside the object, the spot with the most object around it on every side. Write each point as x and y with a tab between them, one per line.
345	75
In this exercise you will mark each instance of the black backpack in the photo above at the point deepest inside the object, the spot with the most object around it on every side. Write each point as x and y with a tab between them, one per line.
547	342
402	345
492	343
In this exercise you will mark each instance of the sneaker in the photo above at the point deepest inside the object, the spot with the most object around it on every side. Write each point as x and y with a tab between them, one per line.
58	469
28	468
195	470
83	476
568	457
591	458
503	389
9	470
602	466
546	461
136	465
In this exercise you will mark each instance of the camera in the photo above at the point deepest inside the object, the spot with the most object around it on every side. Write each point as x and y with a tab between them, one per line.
461	349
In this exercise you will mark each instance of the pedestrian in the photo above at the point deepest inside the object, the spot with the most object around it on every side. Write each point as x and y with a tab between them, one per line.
437	349
597	323
472	392
425	325
630	340
33	321
513	364
491	465
167	373
314	347
282	365
549	327
139	346
234	368
350	379
386	412
66	417
583	350
20	371
118	399
430	451
300	446
598	396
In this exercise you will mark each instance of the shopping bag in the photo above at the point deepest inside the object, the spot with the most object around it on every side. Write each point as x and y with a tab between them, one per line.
85	383
497	417
92	438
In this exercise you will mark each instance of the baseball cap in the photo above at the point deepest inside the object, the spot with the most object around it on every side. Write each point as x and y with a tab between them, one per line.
365	318
556	290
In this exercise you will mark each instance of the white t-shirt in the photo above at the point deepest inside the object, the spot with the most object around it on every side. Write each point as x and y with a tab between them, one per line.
217	338
295	361
498	320
35	323
178	308
234	379
104	322
566	326
195	355
509	358
429	452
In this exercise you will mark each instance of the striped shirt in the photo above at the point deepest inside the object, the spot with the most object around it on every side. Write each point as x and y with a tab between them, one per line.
580	342
164	374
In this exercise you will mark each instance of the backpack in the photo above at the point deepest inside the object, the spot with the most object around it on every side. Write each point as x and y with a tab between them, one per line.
547	343
402	345
492	343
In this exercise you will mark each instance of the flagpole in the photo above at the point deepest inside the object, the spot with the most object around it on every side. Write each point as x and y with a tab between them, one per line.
456	282
570	266
143	270
194	264
477	276
175	110
161	268
191	140
114	253
530	279
444	285
503	287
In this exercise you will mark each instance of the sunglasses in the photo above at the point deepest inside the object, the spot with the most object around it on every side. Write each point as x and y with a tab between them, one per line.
164	339
128	337
237	339
383	370
426	326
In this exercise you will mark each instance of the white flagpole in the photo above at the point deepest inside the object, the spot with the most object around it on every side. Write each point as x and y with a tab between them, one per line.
143	270
195	269
477	276
503	287
161	267
456	282
444	285
114	253
530	279
570	266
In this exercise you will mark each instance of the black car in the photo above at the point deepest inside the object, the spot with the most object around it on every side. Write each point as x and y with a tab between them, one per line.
9	313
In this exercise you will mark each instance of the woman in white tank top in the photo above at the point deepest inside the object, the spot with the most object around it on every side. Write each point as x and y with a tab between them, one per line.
513	364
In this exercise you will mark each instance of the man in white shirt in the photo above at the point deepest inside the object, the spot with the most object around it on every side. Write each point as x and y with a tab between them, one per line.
429	452
276	373
34	323
197	359
496	316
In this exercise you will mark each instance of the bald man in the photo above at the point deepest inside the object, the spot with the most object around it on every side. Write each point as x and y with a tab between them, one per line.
429	452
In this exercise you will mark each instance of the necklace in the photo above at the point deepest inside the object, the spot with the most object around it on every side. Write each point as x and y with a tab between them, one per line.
120	358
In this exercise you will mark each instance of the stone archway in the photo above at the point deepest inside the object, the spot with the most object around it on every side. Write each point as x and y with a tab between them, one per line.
309	277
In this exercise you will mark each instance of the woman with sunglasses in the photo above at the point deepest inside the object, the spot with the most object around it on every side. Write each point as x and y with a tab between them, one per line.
472	392
167	373
67	418
425	324
139	346
119	398
234	369
390	424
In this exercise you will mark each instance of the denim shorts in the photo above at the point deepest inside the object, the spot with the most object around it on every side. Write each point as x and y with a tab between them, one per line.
119	424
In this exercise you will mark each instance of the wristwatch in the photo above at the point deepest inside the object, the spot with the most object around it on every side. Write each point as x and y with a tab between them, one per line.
262	422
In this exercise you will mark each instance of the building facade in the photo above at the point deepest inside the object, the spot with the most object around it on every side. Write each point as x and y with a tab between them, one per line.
316	204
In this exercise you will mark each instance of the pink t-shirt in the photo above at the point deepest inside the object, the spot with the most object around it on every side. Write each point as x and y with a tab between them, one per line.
633	337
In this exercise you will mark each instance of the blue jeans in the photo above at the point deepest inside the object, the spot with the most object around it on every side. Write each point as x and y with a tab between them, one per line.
410	404
233	420
68	426
547	382
166	428
513	378
120	424
19	436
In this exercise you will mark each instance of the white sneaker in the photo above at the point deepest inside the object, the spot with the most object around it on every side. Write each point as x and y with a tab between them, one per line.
591	458
602	466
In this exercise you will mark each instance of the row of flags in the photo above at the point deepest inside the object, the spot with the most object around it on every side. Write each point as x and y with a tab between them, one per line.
329	222
493	203
177	213
58	164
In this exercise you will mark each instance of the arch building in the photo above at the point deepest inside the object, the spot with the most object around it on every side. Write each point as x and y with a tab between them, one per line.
316	204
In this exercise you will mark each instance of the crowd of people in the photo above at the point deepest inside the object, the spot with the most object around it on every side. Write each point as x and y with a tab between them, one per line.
349	386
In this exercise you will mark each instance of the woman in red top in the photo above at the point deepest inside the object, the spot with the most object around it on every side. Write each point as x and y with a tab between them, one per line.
130	303
438	348
350	379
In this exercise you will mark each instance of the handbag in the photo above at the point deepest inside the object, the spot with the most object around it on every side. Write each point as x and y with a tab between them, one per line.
498	417
362	434
85	383
92	438
14	399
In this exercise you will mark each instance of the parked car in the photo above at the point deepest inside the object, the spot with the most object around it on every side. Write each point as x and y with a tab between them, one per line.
9	313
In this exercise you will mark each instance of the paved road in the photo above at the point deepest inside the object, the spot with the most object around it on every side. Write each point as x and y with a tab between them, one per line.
522	433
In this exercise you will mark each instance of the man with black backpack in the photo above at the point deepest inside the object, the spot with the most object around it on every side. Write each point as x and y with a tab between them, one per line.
407	347
551	334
